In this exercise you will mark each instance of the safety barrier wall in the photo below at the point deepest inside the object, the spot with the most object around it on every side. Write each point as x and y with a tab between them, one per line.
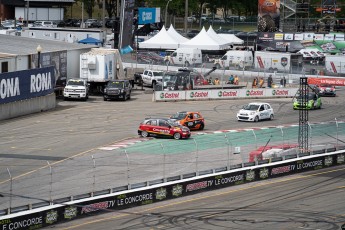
216	94
29	106
67	211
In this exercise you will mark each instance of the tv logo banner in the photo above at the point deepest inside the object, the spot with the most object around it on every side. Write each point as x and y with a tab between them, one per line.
149	15
26	84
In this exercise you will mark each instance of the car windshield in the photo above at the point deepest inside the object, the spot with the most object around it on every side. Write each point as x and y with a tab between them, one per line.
158	73
251	107
325	85
115	84
168	77
311	96
179	116
75	83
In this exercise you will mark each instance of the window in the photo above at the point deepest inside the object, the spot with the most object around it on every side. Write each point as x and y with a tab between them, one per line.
4	67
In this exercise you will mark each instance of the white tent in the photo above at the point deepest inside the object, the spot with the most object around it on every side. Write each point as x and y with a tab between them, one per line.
162	40
217	38
174	34
203	41
232	38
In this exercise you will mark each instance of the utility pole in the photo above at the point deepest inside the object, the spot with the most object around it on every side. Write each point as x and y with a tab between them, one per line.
185	16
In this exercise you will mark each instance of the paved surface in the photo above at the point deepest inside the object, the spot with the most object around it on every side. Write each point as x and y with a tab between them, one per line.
62	153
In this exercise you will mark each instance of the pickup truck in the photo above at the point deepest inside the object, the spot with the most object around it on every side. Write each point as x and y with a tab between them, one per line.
76	89
152	77
117	89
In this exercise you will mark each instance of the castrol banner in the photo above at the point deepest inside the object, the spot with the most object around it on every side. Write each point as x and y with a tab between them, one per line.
170	95
331	81
218	94
198	94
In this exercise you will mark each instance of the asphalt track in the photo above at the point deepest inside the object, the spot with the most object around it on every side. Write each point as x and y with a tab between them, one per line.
66	139
313	200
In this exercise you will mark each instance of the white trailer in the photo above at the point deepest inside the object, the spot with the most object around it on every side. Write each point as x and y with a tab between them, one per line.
39	14
100	65
335	63
185	56
278	61
240	59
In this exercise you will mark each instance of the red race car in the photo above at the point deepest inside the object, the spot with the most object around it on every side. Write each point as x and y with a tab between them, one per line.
163	127
326	90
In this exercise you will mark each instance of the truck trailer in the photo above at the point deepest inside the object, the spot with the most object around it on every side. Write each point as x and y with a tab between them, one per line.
278	61
99	65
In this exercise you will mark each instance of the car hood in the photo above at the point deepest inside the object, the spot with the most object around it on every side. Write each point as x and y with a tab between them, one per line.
75	87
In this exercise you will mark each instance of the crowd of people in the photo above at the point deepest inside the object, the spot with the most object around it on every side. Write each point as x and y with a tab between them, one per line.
259	82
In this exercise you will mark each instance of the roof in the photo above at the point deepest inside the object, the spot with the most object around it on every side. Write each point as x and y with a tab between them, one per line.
162	40
90	40
17	45
174	34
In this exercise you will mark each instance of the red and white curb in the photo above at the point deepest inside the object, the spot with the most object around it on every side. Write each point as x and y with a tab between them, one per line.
132	141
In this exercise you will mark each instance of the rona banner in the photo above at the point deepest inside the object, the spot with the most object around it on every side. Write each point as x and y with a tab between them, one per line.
26	84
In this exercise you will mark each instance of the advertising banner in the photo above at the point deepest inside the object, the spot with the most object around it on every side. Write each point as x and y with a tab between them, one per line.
268	15
127	34
148	15
169	95
56	59
26	84
198	94
331	81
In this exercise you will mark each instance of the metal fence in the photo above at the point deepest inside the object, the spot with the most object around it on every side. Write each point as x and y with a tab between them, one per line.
156	161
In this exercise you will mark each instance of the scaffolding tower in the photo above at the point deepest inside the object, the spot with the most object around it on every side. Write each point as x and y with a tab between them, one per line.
294	15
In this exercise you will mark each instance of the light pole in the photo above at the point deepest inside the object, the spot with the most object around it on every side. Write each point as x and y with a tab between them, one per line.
166	13
202	10
39	50
27	13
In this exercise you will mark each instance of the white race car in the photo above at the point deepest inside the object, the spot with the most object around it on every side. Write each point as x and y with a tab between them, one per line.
255	112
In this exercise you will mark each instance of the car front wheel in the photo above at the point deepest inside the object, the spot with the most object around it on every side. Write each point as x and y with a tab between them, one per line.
271	117
256	119
177	136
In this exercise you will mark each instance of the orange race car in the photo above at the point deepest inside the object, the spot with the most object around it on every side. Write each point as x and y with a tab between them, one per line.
193	120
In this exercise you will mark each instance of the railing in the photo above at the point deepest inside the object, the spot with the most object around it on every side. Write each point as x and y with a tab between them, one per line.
112	169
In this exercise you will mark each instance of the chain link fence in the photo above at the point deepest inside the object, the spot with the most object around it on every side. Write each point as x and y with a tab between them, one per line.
156	161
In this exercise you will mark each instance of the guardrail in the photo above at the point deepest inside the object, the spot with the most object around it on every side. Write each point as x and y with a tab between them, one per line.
175	187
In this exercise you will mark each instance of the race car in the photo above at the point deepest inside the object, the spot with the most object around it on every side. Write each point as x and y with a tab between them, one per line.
255	112
163	127
313	102
326	90
192	120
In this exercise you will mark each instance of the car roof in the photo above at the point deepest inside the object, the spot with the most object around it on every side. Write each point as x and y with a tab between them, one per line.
258	103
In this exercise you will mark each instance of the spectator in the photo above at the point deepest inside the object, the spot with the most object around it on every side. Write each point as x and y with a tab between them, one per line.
255	82
269	81
261	82
216	81
236	80
231	79
283	82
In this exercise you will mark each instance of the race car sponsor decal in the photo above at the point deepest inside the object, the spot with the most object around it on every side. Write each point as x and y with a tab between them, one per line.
161	130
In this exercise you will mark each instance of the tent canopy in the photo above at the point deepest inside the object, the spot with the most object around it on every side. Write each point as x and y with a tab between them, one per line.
174	34
162	40
90	40
232	38
218	38
204	41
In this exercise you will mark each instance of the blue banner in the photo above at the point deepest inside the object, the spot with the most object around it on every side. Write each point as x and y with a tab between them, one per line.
148	15
26	84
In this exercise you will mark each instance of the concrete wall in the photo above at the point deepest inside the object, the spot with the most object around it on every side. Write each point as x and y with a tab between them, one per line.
25	107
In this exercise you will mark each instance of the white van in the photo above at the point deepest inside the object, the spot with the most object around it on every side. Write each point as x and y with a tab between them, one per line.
184	56
235	58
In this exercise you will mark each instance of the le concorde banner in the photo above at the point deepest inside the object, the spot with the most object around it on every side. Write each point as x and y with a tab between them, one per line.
129	199
26	84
